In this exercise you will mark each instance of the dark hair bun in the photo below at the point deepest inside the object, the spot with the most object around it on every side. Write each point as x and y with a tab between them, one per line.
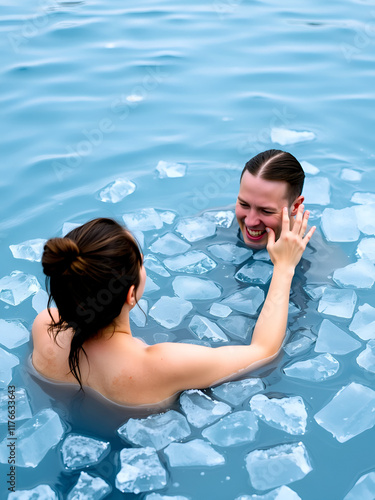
60	256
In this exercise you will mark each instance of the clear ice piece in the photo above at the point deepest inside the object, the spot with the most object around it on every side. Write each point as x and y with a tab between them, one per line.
139	313
170	311
222	218
40	300
285	136
238	326
168	169
282	493
317	190
167	216
140	238
201	410
366	218
349	413
288	414
364	488
117	191
153	264
228	252
7	362
13	333
219	310
169	244
140	471
156	431
279	465
247	300
17	287
348	174
22	405
82	451
194	262
193	453
237	392
262	255
363	323
315	292
150	286
191	288
258	272
41	492
29	250
146	219
340	303
366	249
334	340
204	328
196	228
69	226
314	369
361	274
366	359
89	487
300	344
309	168
340	225
363	198
236	428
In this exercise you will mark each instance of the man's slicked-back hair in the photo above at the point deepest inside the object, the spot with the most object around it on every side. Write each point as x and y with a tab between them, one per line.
277	165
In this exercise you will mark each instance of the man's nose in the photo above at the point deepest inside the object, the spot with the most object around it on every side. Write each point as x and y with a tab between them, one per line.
252	218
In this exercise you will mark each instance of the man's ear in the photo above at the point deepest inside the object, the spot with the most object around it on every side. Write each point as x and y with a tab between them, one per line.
296	203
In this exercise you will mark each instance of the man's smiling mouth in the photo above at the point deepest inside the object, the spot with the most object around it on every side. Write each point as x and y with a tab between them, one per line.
254	234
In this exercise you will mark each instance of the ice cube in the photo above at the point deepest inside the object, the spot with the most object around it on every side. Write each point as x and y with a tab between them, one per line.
82	451
349	413
246	300
222	218
340	303
366	359
193	453
284	136
201	410
361	274
146	219
340	225
153	264
40	301
300	344
156	431
315	369
317	190
157	496
279	465
287	414
22	406
167	216
7	362
220	310
140	238
34	439
117	191
238	326
334	340
188	287
282	493
315	292
308	168
230	253
348	174
170	311
139	313
29	250
366	218
89	487
366	249
262	255
13	333
169	244
194	262
363	198
236	392
69	226
203	327
140	471
196	228
41	492
167	169
363	323
364	488
257	272
236	428
17	287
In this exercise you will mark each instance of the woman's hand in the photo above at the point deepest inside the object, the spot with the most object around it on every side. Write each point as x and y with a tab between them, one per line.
287	251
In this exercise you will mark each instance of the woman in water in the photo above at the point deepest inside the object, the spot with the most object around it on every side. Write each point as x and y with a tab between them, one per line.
95	276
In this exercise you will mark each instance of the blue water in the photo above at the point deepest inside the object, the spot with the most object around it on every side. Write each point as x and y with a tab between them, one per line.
210	81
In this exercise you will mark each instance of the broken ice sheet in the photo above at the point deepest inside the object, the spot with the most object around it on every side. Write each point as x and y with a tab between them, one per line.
237	392
194	262
348	174
7	362
170	311
334	340
314	369
13	333
363	323
349	413
117	191
287	414
236	428
220	310
363	198
366	218
257	272
279	465
167	216
204	328
228	252
191	288
41	492
201	410
282	493
29	250
23	409
299	344
364	488
150	286
340	225
195	228
193	453
169	244
89	487
146	219
17	287
246	300
168	169
366	249
139	313
315	292
153	264
156	431
366	359
335	302
361	274
317	190
285	136
222	218
238	326
308	168
82	451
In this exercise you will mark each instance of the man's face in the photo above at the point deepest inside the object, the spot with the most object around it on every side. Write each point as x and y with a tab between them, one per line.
259	205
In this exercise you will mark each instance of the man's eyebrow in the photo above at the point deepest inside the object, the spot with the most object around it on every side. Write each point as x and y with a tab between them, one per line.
271	209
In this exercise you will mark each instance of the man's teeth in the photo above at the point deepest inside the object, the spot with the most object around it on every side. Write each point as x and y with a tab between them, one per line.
254	233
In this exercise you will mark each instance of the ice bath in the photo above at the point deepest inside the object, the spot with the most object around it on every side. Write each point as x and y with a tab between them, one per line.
148	114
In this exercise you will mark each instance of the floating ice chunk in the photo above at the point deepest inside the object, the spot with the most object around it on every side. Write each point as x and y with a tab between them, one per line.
349	413
17	287
283	493
230	253
363	323
222	218
69	226
315	292
201	410
363	198
340	303
317	190
117	191
236	428
236	392
334	340
89	487
41	492
300	344
193	453
153	264
146	219
140	471
278	465
348	174
7	362
366	358
167	169
160	337
366	249
40	301
220	310
262	255
82	451
13	333
203	327
364	488
156	431
21	403
140	238
29	250
308	168
157	496
238	326
150	286
194	262
247	300
188	287
167	216
361	274
315	369
196	228
139	313
34	439
257	272
366	218
340	225
284	136
169	244
287	414
170	311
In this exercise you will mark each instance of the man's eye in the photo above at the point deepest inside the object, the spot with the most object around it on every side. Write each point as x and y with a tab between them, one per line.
267	212
245	205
